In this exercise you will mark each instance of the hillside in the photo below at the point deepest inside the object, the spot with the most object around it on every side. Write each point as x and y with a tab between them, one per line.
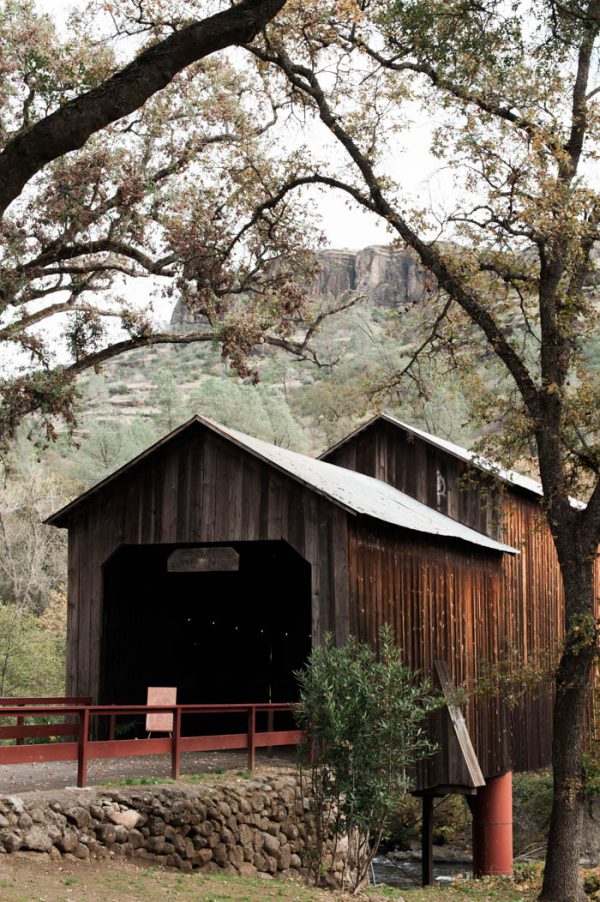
142	395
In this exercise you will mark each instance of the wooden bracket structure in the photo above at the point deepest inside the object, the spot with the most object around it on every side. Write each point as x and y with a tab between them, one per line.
460	766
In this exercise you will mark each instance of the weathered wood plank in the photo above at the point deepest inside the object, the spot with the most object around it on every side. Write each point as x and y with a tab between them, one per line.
457	719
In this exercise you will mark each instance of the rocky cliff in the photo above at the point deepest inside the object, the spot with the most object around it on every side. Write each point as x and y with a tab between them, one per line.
386	276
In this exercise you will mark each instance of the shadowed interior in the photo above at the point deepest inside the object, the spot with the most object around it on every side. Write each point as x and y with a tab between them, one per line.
219	637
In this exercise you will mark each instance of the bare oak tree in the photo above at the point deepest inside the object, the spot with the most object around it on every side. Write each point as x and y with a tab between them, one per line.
514	93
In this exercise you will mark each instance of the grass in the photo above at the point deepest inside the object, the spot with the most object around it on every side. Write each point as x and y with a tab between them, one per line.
191	779
27	880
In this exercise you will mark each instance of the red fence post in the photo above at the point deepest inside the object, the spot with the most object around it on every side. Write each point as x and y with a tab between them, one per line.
85	748
175	748
82	751
270	728
20	723
251	738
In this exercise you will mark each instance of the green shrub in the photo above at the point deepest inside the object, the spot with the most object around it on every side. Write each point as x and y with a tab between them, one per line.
532	806
363	714
32	650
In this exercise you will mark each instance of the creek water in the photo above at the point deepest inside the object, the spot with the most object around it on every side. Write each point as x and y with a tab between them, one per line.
408	873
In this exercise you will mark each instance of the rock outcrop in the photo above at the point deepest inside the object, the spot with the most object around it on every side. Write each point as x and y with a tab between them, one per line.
386	276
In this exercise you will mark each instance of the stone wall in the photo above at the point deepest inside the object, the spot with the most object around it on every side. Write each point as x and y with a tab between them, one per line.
257	826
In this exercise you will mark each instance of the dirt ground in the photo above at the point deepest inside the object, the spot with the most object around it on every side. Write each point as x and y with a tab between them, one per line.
18	778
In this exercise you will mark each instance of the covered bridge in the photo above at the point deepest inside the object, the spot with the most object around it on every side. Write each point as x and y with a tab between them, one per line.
213	561
525	624
528	622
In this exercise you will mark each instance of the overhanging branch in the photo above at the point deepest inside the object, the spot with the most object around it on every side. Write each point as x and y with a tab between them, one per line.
303	79
69	127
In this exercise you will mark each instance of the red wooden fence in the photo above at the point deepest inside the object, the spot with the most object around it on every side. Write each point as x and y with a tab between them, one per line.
86	749
34	730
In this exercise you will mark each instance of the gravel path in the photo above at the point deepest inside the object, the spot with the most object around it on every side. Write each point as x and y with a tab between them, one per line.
18	778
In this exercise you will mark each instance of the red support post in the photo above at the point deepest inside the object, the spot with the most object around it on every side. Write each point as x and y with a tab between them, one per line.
20	723
82	750
175	744
492	827
251	738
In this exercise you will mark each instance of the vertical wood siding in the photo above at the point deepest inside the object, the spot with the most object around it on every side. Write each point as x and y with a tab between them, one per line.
442	602
198	488
423	471
481	617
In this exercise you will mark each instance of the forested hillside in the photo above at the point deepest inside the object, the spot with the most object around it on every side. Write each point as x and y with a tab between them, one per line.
296	403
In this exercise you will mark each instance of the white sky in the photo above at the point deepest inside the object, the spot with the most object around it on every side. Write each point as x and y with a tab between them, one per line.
344	226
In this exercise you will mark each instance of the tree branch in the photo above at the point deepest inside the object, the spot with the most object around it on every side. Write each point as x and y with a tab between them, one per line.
69	127
579	119
57	253
395	380
290	185
14	331
305	81
484	103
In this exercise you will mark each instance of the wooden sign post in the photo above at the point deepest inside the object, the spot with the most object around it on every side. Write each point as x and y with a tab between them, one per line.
160	721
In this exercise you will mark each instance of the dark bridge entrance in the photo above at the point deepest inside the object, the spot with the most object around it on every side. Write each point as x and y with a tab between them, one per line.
223	623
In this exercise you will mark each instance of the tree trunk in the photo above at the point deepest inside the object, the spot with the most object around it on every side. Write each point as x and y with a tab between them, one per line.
573	678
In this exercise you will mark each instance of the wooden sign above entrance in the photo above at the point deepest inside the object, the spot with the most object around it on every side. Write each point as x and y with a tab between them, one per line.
203	560
160	722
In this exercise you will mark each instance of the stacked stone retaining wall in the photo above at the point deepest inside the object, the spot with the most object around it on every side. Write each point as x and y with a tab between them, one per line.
258	826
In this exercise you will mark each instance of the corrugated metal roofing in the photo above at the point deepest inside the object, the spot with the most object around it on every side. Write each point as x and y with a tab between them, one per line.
524	482
355	492
483	463
361	494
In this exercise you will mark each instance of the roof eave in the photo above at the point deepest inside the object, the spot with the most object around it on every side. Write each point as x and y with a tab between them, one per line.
61	517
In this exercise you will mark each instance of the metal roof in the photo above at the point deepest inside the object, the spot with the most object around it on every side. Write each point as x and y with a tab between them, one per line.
355	492
470	457
360	494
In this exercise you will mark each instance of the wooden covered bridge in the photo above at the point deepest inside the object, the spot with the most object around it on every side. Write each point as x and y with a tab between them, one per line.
213	561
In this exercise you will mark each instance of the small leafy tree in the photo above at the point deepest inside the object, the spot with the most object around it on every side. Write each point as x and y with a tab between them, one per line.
33	649
32	555
362	713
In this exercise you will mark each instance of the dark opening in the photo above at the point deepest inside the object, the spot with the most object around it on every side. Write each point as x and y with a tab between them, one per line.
228	636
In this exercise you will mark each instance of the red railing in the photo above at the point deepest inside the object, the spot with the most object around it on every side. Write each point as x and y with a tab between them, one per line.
86	749
31	731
